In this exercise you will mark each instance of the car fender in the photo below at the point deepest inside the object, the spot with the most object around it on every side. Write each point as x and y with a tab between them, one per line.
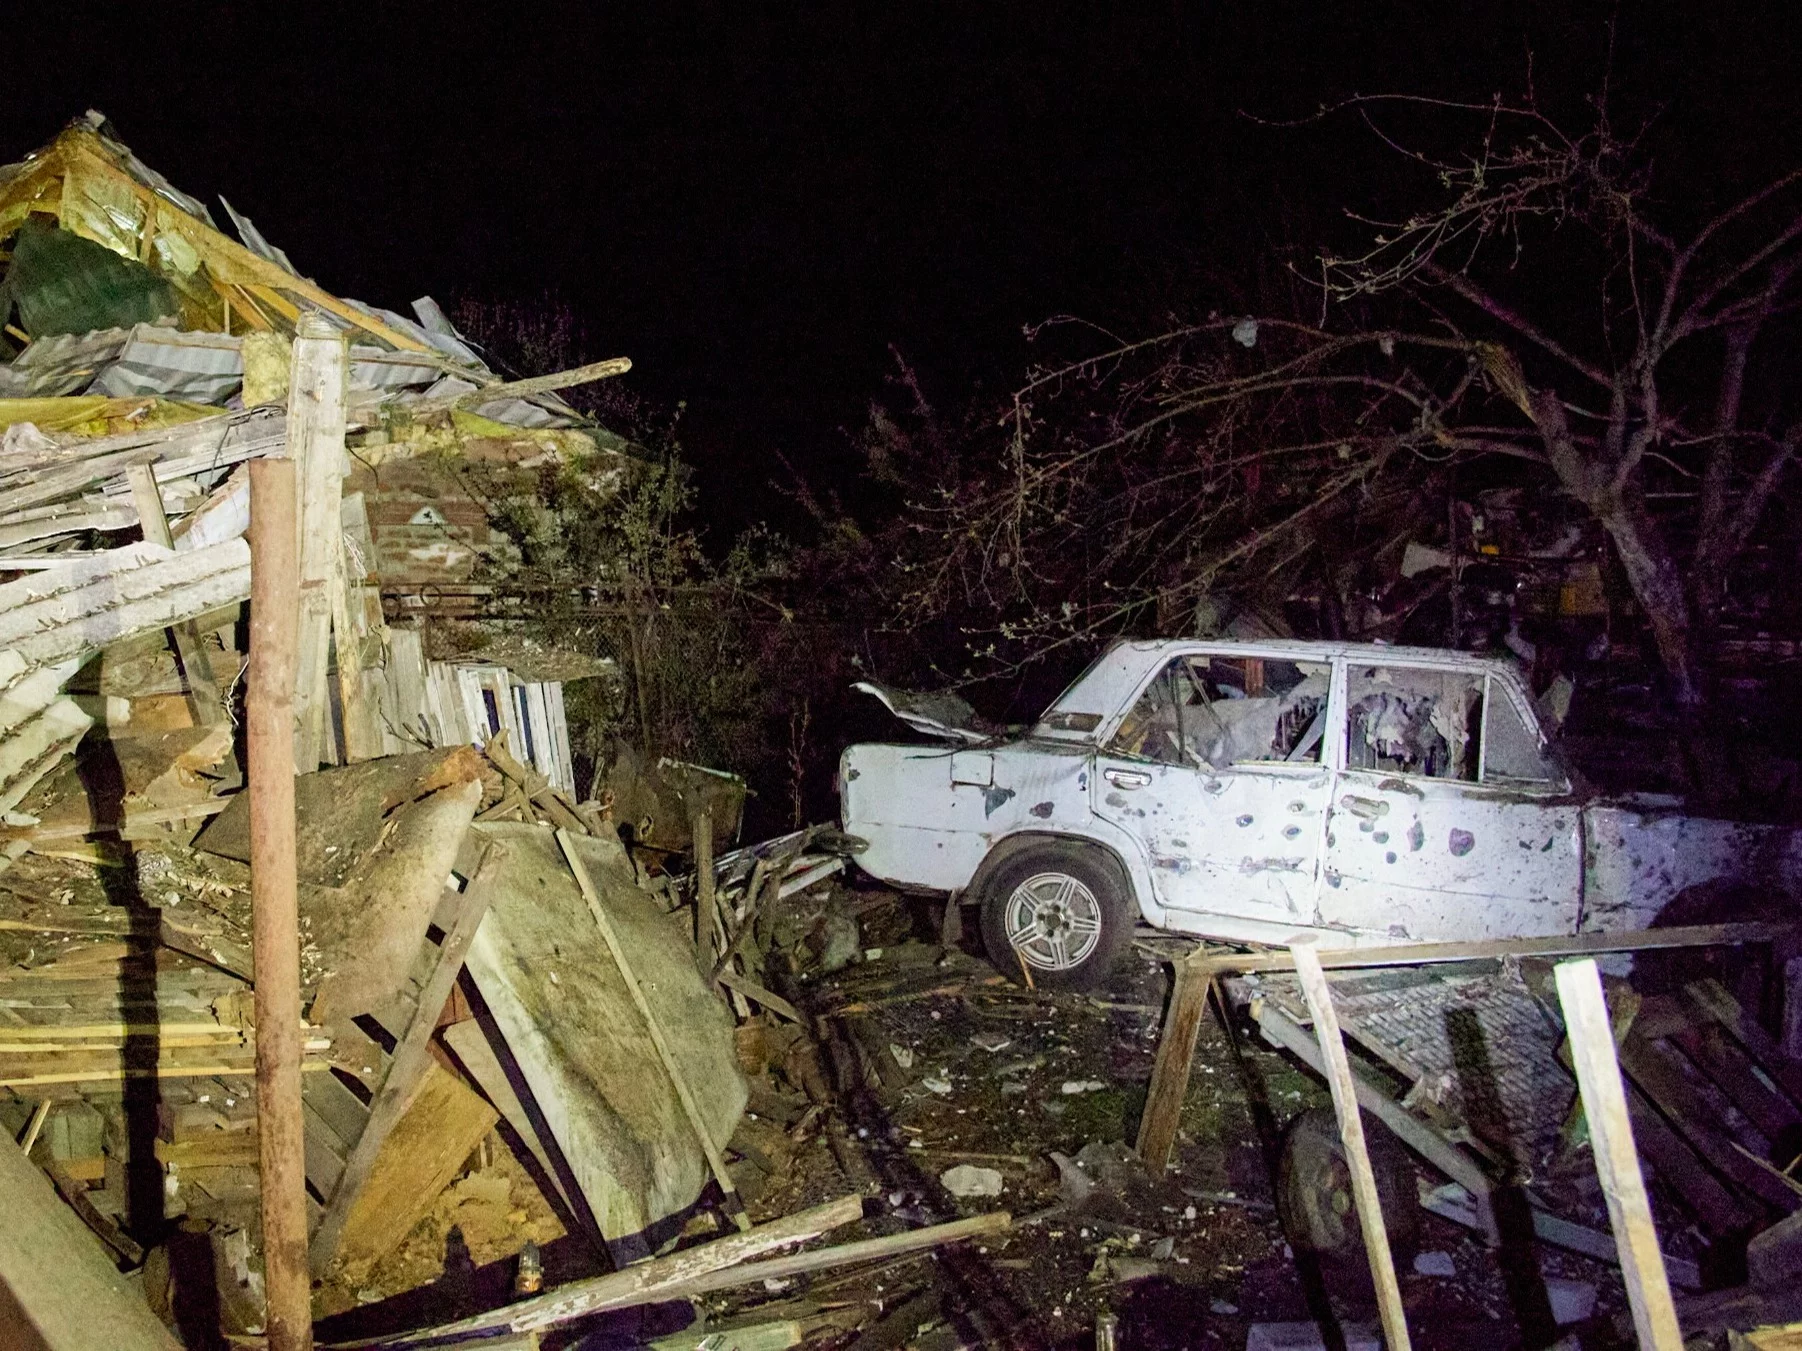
1119	848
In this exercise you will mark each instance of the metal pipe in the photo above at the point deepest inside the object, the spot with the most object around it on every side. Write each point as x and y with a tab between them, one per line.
269	710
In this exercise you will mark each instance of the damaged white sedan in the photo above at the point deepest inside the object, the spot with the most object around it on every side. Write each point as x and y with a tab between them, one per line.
1249	792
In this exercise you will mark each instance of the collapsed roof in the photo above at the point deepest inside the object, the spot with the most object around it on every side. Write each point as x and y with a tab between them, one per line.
120	285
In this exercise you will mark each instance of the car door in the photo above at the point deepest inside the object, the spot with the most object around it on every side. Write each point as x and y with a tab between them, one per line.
1218	771
1448	822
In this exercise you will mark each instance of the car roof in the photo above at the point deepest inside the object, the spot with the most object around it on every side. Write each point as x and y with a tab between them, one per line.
1306	649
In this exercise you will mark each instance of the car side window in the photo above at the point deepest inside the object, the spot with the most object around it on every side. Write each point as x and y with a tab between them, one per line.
1220	711
1512	752
1150	730
1407	720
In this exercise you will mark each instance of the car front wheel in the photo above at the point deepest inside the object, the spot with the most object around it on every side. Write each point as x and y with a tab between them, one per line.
1056	914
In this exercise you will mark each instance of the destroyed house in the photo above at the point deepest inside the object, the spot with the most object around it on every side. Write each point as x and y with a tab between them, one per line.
144	357
444	856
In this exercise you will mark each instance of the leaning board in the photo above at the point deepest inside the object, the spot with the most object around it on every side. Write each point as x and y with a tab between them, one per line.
581	1046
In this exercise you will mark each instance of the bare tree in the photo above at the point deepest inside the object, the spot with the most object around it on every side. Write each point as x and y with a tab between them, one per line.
1551	307
1653	353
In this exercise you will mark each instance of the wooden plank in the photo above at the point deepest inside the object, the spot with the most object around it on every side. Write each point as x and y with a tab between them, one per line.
775	1003
645	1282
1425	954
1617	1162
316	443
407	1065
844	1254
1727	1067
443	1123
57	1287
1721	1212
710	1147
1170	1073
338	1109
1351	1134
190	647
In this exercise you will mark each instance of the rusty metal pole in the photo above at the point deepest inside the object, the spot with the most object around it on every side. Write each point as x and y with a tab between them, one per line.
281	1148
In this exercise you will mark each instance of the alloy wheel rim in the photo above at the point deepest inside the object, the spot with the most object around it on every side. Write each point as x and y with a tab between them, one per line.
1052	921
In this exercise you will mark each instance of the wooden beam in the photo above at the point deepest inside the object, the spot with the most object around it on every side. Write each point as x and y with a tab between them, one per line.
1170	1074
1617	1162
1351	1134
709	1146
190	646
316	443
411	1057
545	384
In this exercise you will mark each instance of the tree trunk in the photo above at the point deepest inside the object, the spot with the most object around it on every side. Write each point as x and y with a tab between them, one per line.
1658	586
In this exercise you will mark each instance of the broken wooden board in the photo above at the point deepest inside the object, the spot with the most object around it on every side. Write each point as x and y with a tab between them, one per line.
441	1127
131	775
354	1137
581	1045
39	725
342	812
58	1289
72	611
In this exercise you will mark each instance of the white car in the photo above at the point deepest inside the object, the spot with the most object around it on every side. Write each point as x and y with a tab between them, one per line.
1252	791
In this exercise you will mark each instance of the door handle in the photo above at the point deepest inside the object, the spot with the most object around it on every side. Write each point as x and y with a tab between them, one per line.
1126	778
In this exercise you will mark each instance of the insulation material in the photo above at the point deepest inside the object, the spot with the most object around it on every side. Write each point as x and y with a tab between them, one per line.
581	1045
39	725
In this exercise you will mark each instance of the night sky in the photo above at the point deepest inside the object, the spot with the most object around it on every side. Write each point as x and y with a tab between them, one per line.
754	201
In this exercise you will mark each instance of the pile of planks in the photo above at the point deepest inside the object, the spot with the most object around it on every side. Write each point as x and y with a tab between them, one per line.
1716	1105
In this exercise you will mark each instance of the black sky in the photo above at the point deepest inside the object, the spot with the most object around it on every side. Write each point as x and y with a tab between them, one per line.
754	201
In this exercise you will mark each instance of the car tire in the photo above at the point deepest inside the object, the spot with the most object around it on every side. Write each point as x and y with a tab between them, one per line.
1068	906
1314	1198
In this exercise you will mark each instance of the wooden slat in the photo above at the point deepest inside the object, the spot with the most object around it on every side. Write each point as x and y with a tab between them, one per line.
1727	1067
1711	998
1351	1134
1617	1163
1425	954
338	1109
1678	1167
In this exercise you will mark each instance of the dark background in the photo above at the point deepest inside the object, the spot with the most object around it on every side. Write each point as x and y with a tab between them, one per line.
755	201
